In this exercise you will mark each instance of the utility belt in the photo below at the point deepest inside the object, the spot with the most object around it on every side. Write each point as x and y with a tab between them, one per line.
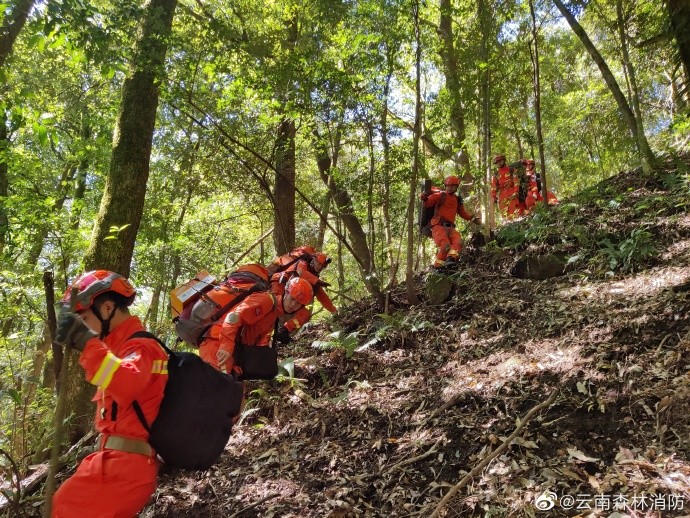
446	224
126	444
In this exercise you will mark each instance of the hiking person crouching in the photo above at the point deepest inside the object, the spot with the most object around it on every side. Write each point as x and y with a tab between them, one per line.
252	322
448	206
118	479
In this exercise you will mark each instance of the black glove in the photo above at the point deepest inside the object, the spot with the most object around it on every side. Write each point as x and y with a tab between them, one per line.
283	335
73	331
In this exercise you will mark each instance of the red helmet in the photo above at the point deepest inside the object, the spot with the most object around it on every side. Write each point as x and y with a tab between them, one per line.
529	161
92	284
322	259
300	290
451	180
498	158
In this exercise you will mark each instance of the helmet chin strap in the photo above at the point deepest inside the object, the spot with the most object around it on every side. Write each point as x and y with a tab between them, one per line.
105	323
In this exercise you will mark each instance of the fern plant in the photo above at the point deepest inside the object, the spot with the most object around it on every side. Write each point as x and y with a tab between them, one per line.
626	255
339	340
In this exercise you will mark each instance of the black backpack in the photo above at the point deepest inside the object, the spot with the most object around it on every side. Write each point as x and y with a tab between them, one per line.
426	214
195	417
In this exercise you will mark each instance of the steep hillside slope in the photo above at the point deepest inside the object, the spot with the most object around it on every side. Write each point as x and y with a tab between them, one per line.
431	391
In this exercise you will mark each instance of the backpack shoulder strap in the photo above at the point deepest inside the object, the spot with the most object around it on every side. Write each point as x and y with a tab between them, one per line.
146	334
234	302
135	403
441	201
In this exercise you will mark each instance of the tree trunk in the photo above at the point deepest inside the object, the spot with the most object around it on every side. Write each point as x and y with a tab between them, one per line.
323	222
284	190
679	13
536	85
371	226
116	226
385	144
82	170
647	158
4	182
347	215
12	25
484	91
412	196
452	76
122	204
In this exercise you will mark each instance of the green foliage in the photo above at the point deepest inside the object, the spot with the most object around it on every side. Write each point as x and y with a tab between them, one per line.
339	340
538	228
232	81
287	373
628	253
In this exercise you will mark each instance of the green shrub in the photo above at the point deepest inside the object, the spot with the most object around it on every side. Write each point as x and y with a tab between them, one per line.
629	253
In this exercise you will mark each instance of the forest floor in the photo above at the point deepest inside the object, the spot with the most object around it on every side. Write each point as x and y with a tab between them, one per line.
430	391
385	420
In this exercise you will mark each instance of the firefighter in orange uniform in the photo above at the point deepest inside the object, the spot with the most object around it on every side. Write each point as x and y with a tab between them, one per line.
448	205
534	174
505	188
117	480
253	321
304	262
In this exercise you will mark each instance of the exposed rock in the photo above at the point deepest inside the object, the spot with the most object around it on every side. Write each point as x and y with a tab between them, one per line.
538	267
439	287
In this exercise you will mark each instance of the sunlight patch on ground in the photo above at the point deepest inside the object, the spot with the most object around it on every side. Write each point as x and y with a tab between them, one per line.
488	375
683	221
386	397
645	284
679	248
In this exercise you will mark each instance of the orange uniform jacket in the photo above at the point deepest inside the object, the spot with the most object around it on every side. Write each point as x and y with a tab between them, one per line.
251	322
125	370
503	184
446	212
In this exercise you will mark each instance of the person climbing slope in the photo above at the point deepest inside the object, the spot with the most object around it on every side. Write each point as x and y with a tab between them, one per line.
447	205
119	479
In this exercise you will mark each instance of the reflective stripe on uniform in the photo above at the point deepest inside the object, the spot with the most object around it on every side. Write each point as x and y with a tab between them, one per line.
296	323
104	374
159	367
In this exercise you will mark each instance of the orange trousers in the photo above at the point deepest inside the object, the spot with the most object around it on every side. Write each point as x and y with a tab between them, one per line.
107	484
448	241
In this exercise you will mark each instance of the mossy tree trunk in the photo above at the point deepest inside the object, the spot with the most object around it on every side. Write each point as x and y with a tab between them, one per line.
679	13
122	204
452	76
284	190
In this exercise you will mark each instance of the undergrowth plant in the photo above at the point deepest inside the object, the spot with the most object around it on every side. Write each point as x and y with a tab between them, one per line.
629	253
348	342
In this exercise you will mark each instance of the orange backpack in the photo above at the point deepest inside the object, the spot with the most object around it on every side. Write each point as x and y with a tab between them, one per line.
201	302
282	263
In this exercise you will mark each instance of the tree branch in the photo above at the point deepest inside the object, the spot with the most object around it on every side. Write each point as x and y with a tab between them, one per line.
479	467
